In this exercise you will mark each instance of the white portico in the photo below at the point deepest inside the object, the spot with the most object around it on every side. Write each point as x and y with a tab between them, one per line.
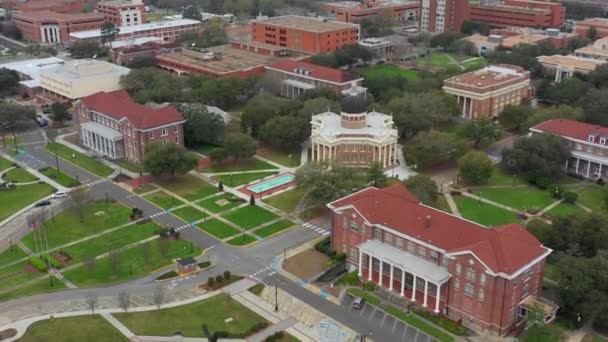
102	139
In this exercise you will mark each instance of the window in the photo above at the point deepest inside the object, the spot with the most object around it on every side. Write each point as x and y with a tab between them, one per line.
457	284
354	226
164	132
345	223
481	295
525	291
151	135
362	230
482	278
378	234
470	274
434	257
410	247
177	139
388	238
422	251
445	262
176	129
399	242
458	268
469	290
353	253
344	248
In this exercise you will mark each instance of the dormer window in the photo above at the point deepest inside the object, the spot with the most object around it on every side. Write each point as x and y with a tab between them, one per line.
603	141
591	138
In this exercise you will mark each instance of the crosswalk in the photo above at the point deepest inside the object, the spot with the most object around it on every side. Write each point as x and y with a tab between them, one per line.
316	229
157	214
30	143
95	182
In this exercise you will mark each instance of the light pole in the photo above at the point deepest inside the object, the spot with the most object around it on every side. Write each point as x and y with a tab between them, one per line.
57	162
276	298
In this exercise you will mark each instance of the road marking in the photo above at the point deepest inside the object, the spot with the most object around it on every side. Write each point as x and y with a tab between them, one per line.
372	315
394	325
404	330
384	318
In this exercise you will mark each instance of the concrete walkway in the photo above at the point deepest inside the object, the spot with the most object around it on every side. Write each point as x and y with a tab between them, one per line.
119	326
452	204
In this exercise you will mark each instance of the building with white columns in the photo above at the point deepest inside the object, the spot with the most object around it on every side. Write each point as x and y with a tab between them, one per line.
354	137
485	92
482	277
563	67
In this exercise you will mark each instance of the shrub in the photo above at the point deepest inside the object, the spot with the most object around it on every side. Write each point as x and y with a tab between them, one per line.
211	281
219	278
556	191
442	322
226	275
351	278
339	257
324	246
600	181
170	274
370	286
204	264
542	182
52	261
275	337
570	197
39	264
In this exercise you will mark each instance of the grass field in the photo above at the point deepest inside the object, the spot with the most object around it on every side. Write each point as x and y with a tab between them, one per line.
18	175
131	263
60	177
482	213
5	164
163	200
127	165
242	240
593	197
250	216
98	216
280	157
564	209
85	162
189	214
188	187
243	178
218	228
380	70
109	242
15	275
145	188
212	205
274	228
518	198
288	200
9	255
73	329
251	164
437	60
17	198
41	286
189	318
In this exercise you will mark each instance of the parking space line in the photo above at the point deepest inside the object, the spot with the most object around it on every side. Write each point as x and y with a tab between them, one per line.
395	324
384	318
416	337
404	330
372	315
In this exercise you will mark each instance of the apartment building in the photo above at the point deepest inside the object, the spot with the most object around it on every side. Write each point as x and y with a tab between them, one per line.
400	11
123	12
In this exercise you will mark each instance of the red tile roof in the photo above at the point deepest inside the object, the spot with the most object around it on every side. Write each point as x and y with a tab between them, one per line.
119	105
504	249
316	71
571	128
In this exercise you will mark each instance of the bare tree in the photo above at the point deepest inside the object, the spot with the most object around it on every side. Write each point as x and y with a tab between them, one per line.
163	246
80	197
124	299
88	262
114	262
91	299
159	296
146	253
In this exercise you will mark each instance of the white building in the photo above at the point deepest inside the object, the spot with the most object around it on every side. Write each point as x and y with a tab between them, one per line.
29	71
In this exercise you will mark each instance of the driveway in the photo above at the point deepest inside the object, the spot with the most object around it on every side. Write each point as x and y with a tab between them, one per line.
494	151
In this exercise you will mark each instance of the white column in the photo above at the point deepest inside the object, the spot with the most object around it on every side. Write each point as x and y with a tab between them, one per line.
390	287
402	282
360	263
438	298
426	293
369	268
380	274
471	108
464	106
567	160
58	35
113	146
557	75
577	162
414	290
588	167
600	171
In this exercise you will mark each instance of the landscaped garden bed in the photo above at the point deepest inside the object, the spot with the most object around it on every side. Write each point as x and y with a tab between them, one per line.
243	240
250	216
221	202
219	281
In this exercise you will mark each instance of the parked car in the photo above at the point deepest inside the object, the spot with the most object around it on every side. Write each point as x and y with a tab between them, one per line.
42	203
358	303
42	122
60	194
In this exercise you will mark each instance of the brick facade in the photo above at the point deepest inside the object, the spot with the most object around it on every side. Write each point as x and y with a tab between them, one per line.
48	27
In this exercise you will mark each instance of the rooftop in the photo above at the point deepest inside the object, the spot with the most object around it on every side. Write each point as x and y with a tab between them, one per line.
137	28
573	62
379	126
571	129
593	21
82	69
530	39
490	76
314	71
599	47
307	23
503	249
119	105
120	3
381	3
187	261
511	9
32	68
46	15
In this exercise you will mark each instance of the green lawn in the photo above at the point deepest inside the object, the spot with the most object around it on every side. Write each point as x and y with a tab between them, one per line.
188	187
437	60
15	199
18	175
218	228
15	275
98	216
60	177
125	164
228	201
205	149
390	70
163	200
475	64
251	164
85	162
564	209
144	188
188	319
41	286
501	177
518	198
369	297
250	216
132	264
108	242
243	178
242	240
5	164
288	200
280	157
598	338
189	214
73	329
593	197
482	213
9	256
417	322
274	228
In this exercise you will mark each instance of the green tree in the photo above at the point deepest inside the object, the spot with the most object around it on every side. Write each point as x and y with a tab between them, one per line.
109	32
432	148
240	146
85	49
594	105
213	33
325	184
168	159
553	112
153	84
218	155
424	187
220	92
9	82
484	130
524	55
541	154
592	33
567	92
202	126
262	108
142	62
59	113
317	105
12	114
537	331
192	12
512	117
376	175
475	167
445	39
285	132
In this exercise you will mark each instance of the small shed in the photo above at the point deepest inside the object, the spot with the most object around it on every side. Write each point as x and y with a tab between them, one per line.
186	265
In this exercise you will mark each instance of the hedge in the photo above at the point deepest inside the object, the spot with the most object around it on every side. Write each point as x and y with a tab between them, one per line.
442	322
52	260
204	264
39	264
168	275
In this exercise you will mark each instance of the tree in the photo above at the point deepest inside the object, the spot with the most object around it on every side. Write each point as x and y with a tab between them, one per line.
594	105
553	112
91	299
424	187
262	108
9	82
240	146
142	62
592	33
80	197
475	167
202	126
159	296
484	130
345	55
251	200
192	12
285	132
537	330
218	155
470	27
445	39
567	92
152	84
12	114
109	32
168	159
223	92
85	49
524	55
59	113
376	175
220	187
312	106
433	148
512	117
124	299
326	184
541	154
214	33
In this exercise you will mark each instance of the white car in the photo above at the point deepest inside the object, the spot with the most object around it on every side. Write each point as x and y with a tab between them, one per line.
60	194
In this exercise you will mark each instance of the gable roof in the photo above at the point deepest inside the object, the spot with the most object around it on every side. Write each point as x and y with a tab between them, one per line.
119	105
571	128
316	71
503	249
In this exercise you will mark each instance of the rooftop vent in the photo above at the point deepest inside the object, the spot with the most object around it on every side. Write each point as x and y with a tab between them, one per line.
427	221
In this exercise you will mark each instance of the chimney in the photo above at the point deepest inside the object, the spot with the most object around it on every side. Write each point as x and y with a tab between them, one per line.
427	221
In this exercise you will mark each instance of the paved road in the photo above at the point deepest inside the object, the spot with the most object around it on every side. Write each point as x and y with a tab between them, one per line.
494	151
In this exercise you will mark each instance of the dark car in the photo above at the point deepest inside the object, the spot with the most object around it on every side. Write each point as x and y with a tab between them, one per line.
42	203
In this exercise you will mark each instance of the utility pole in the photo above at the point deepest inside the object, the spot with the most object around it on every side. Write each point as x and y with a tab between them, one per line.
57	162
276	298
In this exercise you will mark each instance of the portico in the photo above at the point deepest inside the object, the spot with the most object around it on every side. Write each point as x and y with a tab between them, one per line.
413	278
102	139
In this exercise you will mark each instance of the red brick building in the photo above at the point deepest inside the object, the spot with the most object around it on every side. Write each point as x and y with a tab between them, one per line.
443	16
354	12
485	278
60	6
47	27
113	125
304	34
485	92
600	24
123	55
123	12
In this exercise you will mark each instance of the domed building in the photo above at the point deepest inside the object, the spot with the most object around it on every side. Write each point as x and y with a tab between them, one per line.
354	137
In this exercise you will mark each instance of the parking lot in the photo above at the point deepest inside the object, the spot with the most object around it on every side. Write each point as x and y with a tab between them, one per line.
387	323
